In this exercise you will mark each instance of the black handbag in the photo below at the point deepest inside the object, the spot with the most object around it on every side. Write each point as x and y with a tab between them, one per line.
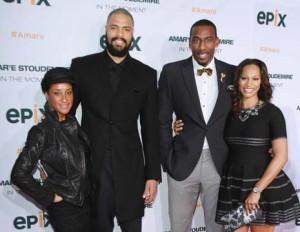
238	217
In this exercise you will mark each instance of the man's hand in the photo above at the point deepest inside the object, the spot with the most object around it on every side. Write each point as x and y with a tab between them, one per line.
150	191
177	126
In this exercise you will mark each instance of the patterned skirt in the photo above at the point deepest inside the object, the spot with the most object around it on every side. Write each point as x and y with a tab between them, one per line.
279	201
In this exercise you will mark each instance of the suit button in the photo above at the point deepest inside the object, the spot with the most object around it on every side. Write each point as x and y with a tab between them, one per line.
111	122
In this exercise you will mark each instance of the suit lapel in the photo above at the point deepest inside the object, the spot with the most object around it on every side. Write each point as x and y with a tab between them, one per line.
221	90
189	79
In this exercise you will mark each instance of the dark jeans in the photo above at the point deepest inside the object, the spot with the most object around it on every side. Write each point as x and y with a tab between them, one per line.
65	217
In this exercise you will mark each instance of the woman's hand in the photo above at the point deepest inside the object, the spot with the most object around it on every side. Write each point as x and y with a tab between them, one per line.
279	151
57	198
177	126
43	175
252	202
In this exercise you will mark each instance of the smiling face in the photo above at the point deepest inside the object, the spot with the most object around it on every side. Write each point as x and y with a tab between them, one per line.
203	42
119	34
60	99
249	83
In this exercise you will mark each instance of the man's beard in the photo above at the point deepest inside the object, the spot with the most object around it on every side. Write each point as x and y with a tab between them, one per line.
115	52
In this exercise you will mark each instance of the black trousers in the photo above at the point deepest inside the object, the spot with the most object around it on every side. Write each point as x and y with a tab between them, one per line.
65	217
104	213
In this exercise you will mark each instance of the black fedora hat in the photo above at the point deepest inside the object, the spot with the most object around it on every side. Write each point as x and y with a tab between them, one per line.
56	75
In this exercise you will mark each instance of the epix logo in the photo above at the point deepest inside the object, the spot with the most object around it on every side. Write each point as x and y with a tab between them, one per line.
21	223
15	116
32	2
134	44
269	18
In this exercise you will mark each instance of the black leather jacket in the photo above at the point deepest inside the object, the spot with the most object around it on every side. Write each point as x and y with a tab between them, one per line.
64	151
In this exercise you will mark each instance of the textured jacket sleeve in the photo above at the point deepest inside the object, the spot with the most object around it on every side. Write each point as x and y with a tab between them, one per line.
25	164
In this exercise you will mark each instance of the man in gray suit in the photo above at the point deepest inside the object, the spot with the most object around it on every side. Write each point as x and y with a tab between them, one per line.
195	89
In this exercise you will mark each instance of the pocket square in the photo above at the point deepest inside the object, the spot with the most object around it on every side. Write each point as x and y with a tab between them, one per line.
238	217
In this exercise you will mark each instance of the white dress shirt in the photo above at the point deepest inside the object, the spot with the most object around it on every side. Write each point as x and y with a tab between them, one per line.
207	87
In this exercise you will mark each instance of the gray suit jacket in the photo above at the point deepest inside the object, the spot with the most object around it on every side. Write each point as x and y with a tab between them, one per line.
178	94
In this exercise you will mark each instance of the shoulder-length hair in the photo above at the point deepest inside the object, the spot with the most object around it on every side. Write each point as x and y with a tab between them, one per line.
265	90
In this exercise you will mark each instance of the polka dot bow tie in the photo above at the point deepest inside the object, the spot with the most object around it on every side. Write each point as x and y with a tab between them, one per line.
202	70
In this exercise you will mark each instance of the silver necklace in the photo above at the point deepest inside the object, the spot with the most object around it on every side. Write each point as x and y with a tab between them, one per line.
245	113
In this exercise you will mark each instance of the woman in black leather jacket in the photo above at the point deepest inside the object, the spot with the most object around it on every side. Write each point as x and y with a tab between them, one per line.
61	150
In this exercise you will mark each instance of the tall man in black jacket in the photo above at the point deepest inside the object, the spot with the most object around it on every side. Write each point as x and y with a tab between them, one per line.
195	89
115	90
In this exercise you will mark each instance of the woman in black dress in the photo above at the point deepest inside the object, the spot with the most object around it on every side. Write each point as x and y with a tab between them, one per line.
252	176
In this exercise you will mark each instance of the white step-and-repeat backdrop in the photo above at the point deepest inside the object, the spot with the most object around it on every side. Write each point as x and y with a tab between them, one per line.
36	35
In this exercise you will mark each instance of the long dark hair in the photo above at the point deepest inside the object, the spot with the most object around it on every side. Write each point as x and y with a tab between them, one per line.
265	90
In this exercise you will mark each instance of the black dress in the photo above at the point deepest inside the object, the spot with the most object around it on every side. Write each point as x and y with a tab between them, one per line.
249	142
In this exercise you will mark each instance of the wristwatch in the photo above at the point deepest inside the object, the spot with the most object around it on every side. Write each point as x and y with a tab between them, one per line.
256	190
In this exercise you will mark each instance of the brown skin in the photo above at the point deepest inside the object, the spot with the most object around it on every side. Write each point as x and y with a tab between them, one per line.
249	85
60	99
119	32
203	42
264	228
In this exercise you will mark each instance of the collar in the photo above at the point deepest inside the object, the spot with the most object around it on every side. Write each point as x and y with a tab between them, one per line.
53	116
